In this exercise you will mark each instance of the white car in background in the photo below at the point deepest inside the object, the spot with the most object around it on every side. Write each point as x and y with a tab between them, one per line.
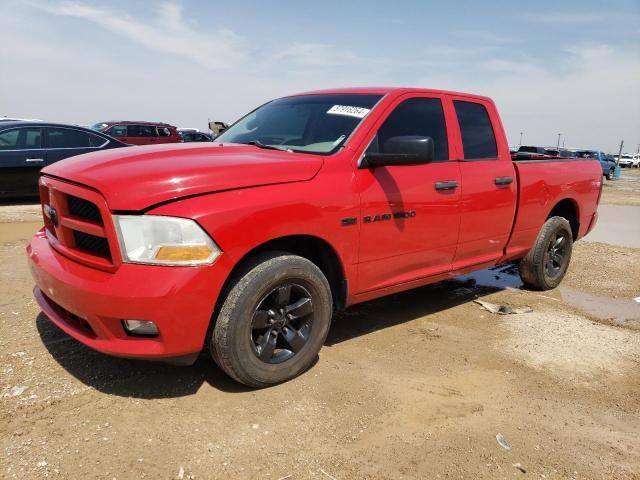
11	119
628	160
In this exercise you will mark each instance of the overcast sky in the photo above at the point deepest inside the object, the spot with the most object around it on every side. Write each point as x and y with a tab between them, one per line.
570	67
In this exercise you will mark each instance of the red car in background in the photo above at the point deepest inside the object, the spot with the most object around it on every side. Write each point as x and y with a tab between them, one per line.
139	133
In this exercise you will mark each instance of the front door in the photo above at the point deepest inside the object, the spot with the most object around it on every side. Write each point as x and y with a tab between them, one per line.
410	214
21	158
120	132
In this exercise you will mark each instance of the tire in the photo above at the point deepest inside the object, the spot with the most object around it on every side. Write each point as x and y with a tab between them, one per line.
610	173
546	263
254	340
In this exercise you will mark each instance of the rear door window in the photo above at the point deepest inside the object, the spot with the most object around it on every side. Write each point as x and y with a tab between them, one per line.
96	140
478	139
142	131
67	138
416	116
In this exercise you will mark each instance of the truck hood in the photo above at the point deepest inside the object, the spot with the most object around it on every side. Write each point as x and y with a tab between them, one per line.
135	178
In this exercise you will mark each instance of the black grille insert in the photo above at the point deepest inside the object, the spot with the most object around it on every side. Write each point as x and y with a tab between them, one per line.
70	318
81	208
91	244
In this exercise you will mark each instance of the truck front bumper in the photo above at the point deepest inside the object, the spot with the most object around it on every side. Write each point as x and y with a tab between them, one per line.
90	305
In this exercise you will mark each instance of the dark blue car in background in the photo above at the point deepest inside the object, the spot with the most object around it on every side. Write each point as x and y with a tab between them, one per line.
607	162
27	146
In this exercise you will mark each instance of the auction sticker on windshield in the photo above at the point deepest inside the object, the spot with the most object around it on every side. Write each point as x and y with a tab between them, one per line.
358	112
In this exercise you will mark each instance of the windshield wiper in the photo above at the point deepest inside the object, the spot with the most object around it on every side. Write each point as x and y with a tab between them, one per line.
259	144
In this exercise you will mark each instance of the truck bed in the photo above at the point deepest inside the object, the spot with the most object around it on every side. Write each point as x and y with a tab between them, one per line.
545	184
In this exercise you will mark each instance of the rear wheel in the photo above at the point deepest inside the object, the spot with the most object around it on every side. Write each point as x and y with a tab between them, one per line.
273	322
546	263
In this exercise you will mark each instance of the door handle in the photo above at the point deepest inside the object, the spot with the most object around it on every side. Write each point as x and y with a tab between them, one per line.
503	181
446	185
34	160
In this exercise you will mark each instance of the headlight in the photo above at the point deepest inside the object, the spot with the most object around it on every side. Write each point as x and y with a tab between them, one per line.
164	240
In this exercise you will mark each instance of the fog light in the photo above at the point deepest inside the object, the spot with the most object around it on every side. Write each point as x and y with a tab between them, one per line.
140	328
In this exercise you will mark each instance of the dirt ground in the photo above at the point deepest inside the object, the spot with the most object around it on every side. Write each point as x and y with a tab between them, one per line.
414	386
623	191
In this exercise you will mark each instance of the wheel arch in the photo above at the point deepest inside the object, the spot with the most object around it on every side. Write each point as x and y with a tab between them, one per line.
568	208
313	248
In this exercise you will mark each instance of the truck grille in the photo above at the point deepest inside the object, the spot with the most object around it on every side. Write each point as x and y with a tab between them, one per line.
92	244
81	208
78	223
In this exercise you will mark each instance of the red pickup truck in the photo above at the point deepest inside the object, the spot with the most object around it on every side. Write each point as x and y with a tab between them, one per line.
308	204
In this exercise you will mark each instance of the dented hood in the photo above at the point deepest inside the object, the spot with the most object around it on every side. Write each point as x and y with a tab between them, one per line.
134	178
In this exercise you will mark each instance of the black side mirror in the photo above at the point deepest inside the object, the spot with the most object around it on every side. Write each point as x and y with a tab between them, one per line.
405	150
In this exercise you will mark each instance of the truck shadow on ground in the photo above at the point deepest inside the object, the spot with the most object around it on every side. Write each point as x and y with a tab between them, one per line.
151	380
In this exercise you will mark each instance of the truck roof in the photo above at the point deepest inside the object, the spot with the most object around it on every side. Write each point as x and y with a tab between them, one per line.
385	91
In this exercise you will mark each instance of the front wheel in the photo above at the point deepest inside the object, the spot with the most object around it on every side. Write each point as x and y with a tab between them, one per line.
273	321
546	263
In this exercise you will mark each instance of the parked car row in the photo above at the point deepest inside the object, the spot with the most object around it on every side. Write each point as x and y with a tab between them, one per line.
528	152
628	160
27	145
150	133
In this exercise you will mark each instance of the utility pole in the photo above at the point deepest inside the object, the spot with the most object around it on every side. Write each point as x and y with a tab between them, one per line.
638	150
620	151
563	140
558	146
521	139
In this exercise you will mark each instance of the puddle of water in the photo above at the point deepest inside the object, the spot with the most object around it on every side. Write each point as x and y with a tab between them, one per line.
10	232
503	276
623	312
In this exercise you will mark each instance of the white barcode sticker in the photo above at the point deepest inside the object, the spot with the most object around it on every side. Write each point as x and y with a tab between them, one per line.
358	112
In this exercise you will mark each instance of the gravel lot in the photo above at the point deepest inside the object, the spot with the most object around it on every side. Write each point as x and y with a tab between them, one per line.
416	385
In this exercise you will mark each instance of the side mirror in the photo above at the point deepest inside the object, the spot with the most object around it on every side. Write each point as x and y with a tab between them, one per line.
405	150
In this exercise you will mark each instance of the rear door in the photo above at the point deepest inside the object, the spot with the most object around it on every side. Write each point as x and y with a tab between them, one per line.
489	187
21	158
409	214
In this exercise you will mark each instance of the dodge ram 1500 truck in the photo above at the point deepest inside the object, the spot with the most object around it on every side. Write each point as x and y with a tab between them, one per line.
308	204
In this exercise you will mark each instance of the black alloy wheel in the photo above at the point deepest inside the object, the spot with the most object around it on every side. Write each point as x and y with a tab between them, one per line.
282	323
273	321
546	264
555	256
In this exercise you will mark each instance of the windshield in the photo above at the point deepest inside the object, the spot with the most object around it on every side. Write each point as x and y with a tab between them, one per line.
308	123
